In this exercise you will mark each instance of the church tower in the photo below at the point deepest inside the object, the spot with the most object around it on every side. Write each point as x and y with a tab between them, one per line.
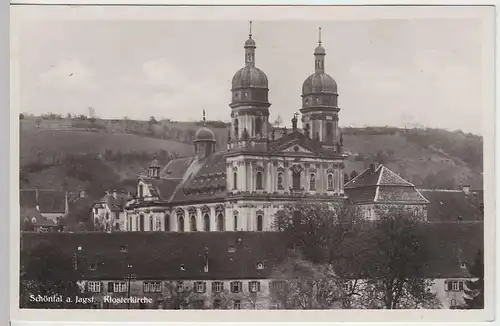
249	103
319	103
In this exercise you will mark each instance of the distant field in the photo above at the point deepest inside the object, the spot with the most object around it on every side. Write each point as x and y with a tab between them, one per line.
428	158
47	141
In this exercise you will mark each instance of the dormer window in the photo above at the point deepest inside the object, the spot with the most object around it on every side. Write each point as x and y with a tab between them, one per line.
183	268
463	265
260	266
123	248
93	266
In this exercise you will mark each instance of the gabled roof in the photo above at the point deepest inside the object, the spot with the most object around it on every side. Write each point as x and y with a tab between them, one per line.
381	185
49	201
452	205
299	139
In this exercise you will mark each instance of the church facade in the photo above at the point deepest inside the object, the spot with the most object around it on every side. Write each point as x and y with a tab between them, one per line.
242	187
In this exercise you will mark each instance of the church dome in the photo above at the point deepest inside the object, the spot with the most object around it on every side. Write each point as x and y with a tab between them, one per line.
319	82
319	50
250	43
204	134
249	76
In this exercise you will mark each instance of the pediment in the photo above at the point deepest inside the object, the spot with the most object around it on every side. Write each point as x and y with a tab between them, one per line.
296	148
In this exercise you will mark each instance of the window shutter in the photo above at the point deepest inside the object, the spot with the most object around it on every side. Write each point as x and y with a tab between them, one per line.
460	286
213	286
258	286
110	287
450	286
101	288
204	287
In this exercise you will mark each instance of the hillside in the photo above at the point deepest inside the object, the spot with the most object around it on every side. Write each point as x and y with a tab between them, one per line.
102	154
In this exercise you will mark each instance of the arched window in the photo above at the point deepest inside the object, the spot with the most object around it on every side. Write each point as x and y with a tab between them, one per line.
141	191
296	180
151	223
236	222
206	223
192	219
329	131
167	222
220	222
141	222
259	222
258	126
258	181
330	182
180	223
280	181
236	129
235	180
312	182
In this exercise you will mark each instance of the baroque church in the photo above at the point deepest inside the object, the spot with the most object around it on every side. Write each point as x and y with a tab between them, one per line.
242	187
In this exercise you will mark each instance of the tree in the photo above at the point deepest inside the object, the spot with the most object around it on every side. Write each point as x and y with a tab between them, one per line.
299	284
47	271
152	120
315	229
389	258
475	289
178	296
353	174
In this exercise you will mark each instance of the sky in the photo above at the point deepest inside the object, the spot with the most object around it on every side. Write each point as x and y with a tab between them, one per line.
395	72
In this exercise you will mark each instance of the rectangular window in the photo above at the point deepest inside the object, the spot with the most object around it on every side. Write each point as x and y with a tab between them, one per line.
254	286
454	286
237	304
158	223
217	287
152	286
236	287
200	287
119	287
94	286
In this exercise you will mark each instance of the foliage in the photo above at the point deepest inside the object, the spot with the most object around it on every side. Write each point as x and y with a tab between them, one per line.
315	229
46	272
299	284
178	296
475	289
391	262
353	174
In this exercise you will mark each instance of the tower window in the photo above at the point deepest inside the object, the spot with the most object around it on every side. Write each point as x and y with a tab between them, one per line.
236	222
151	223
329	130
235	180
312	182
296	180
330	182
141	191
259	222
280	181
206	222
236	129
141	223
258	180
317	99
220	222
258	126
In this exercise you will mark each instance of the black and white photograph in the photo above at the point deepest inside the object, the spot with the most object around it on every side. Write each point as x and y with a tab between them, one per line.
323	158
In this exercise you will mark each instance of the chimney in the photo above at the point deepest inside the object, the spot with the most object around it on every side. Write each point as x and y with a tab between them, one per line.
466	189
115	194
376	165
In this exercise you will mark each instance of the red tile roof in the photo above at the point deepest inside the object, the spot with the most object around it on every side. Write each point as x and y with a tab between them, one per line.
381	185
452	205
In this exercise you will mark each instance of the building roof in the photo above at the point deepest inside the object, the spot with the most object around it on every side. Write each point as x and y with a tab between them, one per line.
49	201
378	184
235	255
177	256
448	246
114	204
452	205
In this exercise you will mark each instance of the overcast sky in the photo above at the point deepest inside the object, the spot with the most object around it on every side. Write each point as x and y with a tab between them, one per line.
389	72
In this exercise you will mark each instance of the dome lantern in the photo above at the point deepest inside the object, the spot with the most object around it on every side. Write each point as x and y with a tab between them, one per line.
204	141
